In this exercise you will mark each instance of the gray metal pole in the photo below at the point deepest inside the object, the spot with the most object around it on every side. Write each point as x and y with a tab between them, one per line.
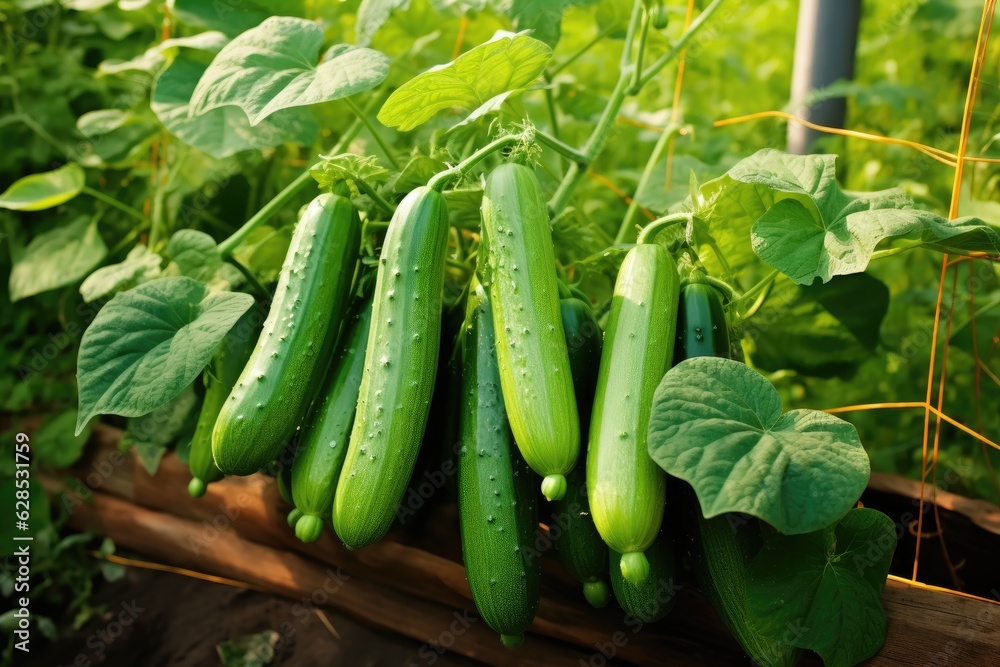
825	42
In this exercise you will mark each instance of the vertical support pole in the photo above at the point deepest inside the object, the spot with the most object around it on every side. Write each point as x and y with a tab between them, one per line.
825	42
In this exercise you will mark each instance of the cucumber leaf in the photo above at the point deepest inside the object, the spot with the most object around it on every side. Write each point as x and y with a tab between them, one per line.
46	190
149	343
802	223
821	591
717	424
822	330
272	67
507	62
57	258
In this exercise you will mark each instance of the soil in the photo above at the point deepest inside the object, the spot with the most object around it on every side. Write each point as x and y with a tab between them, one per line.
179	621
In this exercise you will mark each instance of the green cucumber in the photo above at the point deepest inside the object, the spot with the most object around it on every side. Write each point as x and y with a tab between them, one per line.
520	276
495	490
655	596
400	368
323	441
225	370
721	557
627	490
575	538
281	378
702	330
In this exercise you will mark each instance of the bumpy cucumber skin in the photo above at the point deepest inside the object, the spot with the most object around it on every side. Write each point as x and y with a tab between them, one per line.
324	438
655	596
577	542
282	376
627	490
520	276
400	368
496	495
720	562
227	365
702	330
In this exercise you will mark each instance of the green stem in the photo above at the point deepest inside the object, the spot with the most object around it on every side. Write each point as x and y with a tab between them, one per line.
680	44
44	134
640	52
379	139
266	213
650	231
560	147
732	295
262	291
628	221
376	197
441	179
459	264
719	255
889	252
751	294
761	298
114	203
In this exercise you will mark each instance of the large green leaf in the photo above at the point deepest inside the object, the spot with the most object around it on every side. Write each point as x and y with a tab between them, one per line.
823	330
149	343
800	222
223	131
506	63
273	67
57	258
41	191
542	17
718	425
820	591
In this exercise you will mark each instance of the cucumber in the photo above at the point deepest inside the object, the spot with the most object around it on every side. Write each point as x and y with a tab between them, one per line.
575	538
225	370
655	596
520	276
281	378
702	330
495	490
627	490
722	554
400	367
323	441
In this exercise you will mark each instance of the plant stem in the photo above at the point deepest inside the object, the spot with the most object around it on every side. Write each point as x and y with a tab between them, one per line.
262	291
656	226
265	213
376	197
111	201
439	180
628	221
643	34
560	147
889	252
379	139
44	134
679	45
751	294
625	87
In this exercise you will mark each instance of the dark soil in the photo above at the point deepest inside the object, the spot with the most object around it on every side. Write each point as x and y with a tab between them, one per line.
178	621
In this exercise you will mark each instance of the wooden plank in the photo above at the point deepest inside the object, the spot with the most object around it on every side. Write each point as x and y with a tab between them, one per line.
925	626
984	514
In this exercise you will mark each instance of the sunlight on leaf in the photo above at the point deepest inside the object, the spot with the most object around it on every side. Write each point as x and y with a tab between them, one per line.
41	191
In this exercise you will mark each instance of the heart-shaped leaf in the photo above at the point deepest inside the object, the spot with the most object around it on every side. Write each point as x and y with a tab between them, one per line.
149	343
277	66
226	130
717	424
507	62
820	591
57	258
41	191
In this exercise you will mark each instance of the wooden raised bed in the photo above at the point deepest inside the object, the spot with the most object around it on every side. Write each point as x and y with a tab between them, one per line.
238	531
